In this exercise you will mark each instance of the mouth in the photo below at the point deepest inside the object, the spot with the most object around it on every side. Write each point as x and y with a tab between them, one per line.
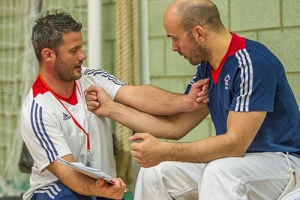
79	65
78	68
185	57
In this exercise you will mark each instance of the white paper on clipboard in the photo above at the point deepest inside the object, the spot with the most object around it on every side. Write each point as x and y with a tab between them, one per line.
89	171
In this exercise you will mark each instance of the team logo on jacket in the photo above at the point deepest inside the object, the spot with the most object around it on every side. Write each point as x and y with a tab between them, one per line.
66	116
226	81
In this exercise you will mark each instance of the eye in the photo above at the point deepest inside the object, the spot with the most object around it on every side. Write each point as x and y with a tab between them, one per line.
73	51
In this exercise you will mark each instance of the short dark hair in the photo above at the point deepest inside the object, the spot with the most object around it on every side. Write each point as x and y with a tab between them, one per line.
199	14
48	31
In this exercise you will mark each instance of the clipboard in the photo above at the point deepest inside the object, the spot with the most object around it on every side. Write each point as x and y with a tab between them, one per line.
89	171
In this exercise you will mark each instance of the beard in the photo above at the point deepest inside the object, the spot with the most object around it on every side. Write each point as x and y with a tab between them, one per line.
65	72
198	52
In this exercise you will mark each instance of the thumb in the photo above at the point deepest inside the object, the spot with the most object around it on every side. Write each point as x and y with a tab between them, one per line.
92	88
201	83
100	182
137	136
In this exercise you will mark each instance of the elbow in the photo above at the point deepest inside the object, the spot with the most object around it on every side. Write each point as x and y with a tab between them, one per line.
239	154
238	151
175	135
236	146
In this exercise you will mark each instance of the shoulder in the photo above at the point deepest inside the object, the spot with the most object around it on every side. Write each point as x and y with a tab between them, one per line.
256	56
99	76
259	53
38	106
92	71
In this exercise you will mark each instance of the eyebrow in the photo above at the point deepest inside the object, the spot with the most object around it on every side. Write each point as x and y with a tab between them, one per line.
173	37
76	47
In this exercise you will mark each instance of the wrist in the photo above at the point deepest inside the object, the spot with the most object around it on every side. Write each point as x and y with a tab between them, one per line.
186	104
167	149
109	109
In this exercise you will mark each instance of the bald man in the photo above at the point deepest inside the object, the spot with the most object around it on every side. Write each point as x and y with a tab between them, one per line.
253	109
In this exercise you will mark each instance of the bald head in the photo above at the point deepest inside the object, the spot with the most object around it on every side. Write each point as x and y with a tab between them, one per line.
191	13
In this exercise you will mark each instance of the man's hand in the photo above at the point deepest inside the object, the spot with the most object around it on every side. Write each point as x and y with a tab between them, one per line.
199	94
97	100
203	86
91	99
148	152
112	191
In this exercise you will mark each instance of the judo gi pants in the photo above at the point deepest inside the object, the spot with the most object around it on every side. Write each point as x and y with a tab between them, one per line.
257	176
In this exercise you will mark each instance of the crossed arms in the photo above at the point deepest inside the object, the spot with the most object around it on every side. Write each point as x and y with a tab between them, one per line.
172	116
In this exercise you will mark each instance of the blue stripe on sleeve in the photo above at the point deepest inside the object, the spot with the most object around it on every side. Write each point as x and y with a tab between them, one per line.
104	74
41	133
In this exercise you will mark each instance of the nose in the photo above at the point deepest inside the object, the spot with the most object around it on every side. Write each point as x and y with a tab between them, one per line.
82	55
174	47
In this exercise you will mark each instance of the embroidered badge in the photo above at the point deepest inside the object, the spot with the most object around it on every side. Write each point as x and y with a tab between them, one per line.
226	81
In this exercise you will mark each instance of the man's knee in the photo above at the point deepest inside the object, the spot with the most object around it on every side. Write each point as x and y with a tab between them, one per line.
218	170
156	173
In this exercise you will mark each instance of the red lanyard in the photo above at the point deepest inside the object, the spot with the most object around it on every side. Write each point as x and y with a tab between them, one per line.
75	121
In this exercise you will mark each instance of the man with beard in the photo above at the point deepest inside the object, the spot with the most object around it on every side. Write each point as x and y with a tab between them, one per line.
255	114
55	122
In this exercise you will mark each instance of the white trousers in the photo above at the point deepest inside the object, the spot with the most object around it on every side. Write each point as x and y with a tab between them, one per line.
257	176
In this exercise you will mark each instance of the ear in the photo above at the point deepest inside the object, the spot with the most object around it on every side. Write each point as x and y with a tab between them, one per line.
48	55
199	34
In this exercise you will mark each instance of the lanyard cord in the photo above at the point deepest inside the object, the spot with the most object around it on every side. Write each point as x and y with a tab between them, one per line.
75	121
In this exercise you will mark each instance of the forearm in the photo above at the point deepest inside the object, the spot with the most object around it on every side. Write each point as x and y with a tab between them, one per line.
241	130
169	127
202	151
79	183
140	121
76	181
85	185
156	101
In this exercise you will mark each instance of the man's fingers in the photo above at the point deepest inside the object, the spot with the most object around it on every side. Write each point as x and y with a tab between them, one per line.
91	100
201	83
203	100
92	105
136	157
91	96
92	88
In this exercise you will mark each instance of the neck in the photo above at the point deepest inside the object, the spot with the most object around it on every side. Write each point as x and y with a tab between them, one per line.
220	45
63	89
